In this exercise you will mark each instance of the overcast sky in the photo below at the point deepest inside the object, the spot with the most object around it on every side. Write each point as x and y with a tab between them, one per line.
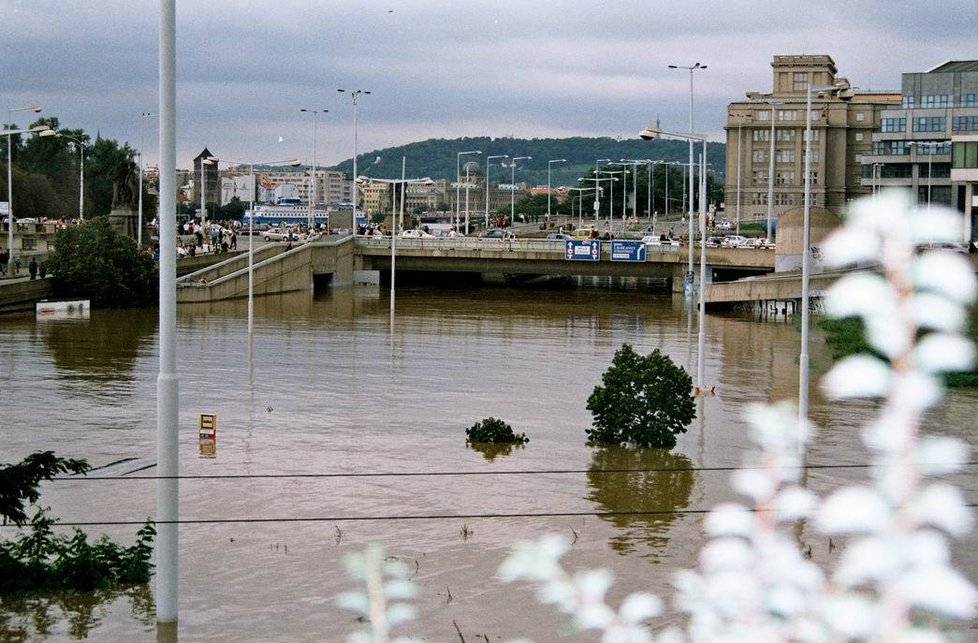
441	69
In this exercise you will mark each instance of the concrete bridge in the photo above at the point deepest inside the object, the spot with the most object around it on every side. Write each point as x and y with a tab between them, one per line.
343	261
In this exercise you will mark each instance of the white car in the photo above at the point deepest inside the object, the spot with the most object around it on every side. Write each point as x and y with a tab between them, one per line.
279	234
734	241
417	234
653	240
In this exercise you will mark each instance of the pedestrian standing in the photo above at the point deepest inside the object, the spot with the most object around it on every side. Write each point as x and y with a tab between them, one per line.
32	268
4	260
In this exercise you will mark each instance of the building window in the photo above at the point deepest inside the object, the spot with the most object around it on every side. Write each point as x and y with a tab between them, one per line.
860	117
759	156
893	125
758	198
785	135
890	148
813	177
761	135
814	138
784	156
787	114
784	178
928	124
907	102
964	155
935	100
969	100
759	177
964	123
814	155
799	81
763	114
26	243
859	137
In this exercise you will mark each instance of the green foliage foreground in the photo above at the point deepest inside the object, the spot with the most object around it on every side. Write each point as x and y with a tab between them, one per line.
644	401
494	431
94	261
39	559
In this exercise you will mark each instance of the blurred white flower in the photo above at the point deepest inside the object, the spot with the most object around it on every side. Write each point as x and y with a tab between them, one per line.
946	273
729	519
853	510
857	376
942	505
944	352
940	455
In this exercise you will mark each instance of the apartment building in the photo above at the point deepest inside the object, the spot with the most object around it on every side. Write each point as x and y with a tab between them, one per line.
765	137
928	143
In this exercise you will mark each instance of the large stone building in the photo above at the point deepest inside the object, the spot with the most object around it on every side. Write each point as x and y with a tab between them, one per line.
929	141
766	140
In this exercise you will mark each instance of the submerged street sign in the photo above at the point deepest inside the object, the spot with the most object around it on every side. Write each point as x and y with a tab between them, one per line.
577	250
628	251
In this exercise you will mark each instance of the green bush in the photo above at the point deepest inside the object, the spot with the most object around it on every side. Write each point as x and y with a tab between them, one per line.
92	260
493	431
40	560
644	401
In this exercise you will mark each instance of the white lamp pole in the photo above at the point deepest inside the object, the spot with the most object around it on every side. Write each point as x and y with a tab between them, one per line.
10	180
139	217
315	184
458	172
488	161
354	95
806	257
550	165
691	69
512	187
597	193
251	225
80	144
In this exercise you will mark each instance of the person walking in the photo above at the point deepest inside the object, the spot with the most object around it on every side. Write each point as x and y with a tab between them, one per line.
4	260
32	268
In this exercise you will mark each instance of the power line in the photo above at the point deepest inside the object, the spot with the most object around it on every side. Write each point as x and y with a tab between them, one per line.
471	516
422	474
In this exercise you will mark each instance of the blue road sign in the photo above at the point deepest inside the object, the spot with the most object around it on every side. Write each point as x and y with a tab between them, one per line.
576	250
628	251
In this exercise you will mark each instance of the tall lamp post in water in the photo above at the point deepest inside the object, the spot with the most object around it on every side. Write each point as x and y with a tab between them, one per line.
845	94
315	144
354	95
651	133
691	69
251	225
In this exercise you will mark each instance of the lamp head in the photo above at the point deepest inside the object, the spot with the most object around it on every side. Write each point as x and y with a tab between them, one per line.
649	133
47	133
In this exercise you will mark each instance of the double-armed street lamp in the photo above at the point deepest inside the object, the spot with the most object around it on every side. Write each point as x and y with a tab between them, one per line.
315	144
354	95
10	191
512	187
550	165
690	68
251	223
651	133
458	172
81	145
597	193
488	161
580	204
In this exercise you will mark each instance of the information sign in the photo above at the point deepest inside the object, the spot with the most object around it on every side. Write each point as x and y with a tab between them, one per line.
633	251
578	250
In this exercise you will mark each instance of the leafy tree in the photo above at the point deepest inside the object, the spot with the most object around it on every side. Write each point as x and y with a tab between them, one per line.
494	431
18	482
95	261
644	401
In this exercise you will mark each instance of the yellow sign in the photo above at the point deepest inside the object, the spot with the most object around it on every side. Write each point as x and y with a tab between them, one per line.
207	436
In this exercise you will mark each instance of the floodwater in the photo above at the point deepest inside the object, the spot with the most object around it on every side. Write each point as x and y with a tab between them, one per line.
337	428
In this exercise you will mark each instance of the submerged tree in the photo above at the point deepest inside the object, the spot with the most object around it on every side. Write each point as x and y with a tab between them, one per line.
93	260
644	401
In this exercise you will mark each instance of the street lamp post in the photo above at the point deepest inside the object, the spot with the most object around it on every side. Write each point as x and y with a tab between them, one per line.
806	256
580	204
10	180
930	145
691	69
80	144
315	144
597	193
488	161
139	218
512	187
354	94
740	127
549	181
251	225
650	133
458	186
611	195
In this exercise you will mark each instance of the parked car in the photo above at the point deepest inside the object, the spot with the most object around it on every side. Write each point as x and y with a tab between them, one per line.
417	234
734	241
723	224
498	233
280	234
653	240
558	236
